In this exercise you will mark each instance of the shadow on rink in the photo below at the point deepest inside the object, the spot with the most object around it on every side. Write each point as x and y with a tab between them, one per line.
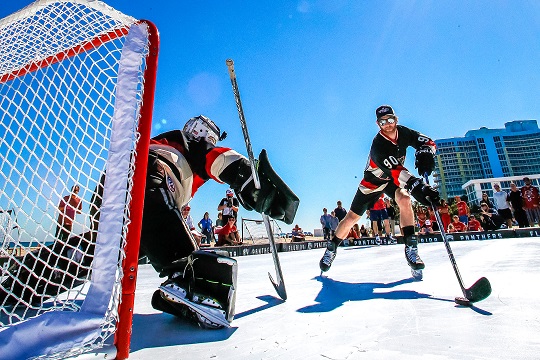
335	293
179	332
183	332
271	301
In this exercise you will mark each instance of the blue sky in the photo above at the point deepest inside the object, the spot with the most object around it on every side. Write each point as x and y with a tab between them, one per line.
311	74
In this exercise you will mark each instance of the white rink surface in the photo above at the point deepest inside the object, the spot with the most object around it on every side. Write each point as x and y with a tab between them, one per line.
366	307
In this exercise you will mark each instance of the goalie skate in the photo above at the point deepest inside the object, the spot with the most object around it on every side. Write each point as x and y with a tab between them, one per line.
209	312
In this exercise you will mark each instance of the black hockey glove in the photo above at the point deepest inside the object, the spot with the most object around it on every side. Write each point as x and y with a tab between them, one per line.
424	160
274	198
424	194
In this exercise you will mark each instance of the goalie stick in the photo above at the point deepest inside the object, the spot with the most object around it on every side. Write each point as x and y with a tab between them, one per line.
481	289
279	285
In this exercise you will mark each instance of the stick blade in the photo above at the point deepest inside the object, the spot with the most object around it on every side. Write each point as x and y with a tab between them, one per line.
480	290
280	288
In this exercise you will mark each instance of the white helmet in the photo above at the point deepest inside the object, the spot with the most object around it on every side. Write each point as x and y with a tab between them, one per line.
202	127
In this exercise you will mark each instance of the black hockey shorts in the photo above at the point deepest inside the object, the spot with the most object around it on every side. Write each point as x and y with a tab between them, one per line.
366	197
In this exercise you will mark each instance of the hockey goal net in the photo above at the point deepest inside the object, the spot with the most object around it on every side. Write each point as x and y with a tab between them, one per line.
76	95
254	230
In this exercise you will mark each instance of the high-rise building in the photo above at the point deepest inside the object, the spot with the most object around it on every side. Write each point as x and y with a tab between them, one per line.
487	153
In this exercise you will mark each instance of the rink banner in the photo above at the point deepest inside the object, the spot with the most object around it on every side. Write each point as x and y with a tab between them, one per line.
246	250
303	245
362	242
258	249
528	232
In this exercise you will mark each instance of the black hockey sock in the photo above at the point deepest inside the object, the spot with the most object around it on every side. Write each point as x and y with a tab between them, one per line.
408	231
336	240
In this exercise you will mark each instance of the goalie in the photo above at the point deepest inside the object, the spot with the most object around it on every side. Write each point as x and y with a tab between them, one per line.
180	161
200	284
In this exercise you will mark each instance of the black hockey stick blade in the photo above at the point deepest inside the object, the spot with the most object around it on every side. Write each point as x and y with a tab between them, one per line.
480	290
280	288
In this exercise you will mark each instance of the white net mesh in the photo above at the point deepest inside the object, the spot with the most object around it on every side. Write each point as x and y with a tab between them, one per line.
59	75
255	231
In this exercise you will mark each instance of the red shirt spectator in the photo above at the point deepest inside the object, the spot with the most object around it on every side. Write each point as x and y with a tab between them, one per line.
228	234
462	207
353	234
444	211
458	226
529	193
421	216
474	225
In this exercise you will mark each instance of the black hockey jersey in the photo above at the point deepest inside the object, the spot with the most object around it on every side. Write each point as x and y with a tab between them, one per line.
387	158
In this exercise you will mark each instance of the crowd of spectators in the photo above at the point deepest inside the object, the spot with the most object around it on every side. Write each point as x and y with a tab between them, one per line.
519	207
382	220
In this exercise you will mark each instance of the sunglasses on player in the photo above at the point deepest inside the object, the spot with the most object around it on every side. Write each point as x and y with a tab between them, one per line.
390	120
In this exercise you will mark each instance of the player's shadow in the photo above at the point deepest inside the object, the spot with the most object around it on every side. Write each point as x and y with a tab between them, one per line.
335	293
175	331
162	329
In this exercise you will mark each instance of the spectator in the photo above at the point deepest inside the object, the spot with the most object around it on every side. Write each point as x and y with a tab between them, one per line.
463	210
228	234
530	196
391	211
433	219
189	222
456	225
427	227
219	220
474	224
378	213
219	223
502	202
421	216
297	234
228	205
451	228
353	233
444	211
340	212
205	224
485	198
517	205
363	231
69	206
334	221
326	224
489	218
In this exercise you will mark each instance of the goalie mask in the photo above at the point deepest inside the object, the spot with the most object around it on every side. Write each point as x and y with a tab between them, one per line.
202	127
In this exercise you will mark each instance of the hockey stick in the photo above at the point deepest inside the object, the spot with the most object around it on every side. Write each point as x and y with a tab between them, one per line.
279	285
481	289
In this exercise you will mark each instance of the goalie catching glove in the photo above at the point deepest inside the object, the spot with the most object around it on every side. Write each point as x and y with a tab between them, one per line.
423	193
274	198
424	160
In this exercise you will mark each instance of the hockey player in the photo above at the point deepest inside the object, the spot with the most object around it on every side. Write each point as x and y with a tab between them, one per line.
180	161
386	173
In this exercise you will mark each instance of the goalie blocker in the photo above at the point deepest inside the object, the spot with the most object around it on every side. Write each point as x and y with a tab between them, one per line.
201	288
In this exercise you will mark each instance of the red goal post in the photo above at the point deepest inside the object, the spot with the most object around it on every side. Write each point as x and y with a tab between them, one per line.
77	83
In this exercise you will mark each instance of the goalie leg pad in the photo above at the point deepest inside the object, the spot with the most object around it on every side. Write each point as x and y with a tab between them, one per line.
206	283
